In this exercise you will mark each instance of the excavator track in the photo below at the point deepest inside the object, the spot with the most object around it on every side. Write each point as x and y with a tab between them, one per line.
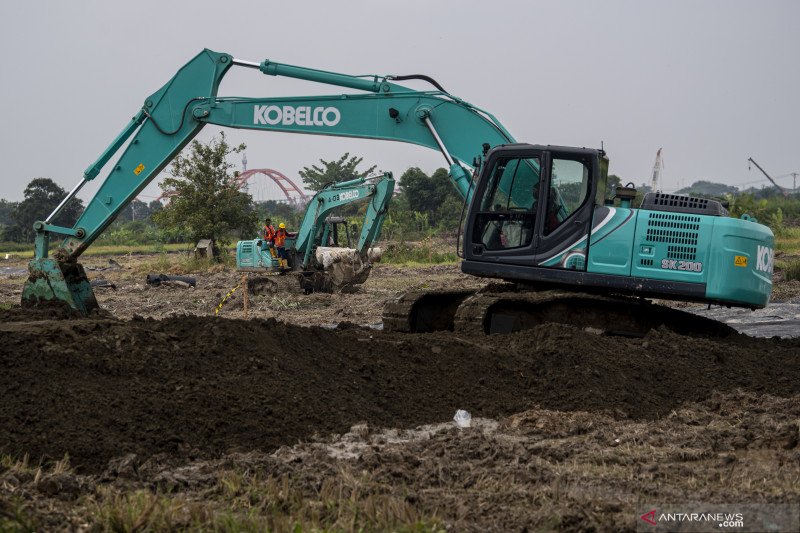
507	308
423	311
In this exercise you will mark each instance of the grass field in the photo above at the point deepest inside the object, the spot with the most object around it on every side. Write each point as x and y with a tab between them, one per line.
788	241
426	252
25	251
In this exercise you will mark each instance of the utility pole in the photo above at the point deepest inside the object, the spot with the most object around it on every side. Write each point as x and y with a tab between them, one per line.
794	181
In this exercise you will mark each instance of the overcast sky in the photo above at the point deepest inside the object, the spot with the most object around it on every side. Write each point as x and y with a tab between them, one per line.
712	82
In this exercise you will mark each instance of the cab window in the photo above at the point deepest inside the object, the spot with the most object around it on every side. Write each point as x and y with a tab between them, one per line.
508	207
569	185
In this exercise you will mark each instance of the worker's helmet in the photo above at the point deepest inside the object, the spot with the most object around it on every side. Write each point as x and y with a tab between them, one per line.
282	225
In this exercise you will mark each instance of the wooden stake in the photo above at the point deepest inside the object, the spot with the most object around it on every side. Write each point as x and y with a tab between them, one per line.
246	295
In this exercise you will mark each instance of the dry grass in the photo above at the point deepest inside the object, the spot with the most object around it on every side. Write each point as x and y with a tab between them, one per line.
788	240
546	469
792	270
238	500
23	466
245	501
25	251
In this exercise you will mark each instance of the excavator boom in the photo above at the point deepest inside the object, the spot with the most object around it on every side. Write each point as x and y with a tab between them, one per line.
172	116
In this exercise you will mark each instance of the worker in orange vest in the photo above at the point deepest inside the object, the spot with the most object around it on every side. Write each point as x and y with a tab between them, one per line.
268	236
280	241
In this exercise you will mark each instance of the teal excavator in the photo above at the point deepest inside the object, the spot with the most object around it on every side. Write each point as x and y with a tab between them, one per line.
315	254
537	217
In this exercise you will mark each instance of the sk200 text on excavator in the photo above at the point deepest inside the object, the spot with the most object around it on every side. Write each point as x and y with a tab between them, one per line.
538	217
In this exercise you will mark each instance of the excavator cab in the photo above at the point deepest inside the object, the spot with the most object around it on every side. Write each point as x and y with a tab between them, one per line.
337	232
534	204
539	219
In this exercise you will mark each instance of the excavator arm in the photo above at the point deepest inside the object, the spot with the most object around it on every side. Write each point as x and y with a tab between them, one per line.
176	113
379	193
157	133
171	117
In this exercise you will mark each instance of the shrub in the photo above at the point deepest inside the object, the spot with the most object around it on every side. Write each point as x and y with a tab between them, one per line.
423	252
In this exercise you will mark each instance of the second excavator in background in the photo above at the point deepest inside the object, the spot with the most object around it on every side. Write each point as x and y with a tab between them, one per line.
315	254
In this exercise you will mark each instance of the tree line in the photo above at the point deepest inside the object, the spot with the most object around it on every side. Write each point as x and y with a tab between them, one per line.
205	202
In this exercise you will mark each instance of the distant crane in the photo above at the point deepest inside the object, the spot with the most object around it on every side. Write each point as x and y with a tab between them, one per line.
783	191
657	167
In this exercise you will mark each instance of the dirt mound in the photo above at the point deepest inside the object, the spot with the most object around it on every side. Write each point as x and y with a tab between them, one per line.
44	311
198	387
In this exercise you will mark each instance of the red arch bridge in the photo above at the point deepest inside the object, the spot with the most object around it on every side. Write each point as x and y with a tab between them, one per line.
294	194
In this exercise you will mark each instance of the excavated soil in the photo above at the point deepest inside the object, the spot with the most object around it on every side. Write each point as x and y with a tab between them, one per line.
200	387
202	422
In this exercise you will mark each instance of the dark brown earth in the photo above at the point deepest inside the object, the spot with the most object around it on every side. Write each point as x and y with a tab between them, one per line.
200	387
538	470
203	423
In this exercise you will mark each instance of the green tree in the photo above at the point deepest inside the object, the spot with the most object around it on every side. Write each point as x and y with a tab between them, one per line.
206	203
6	219
6	212
427	194
136	210
279	212
708	188
345	168
449	214
614	181
155	206
42	195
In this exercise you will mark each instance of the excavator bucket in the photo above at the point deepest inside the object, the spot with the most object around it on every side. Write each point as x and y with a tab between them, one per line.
344	267
53	282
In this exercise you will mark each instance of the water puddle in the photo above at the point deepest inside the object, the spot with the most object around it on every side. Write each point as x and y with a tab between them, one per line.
13	271
781	319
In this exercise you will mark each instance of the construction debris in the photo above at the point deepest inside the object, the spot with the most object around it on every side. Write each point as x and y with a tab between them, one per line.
157	280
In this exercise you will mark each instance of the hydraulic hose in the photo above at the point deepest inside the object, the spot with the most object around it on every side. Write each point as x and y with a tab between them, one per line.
418	77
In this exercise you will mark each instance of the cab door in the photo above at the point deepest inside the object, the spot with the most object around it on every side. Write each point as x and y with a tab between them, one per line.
565	212
502	224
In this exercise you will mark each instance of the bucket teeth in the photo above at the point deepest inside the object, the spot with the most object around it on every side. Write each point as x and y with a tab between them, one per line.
52	282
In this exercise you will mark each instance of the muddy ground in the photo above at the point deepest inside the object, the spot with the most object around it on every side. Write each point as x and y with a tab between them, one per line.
195	421
133	296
